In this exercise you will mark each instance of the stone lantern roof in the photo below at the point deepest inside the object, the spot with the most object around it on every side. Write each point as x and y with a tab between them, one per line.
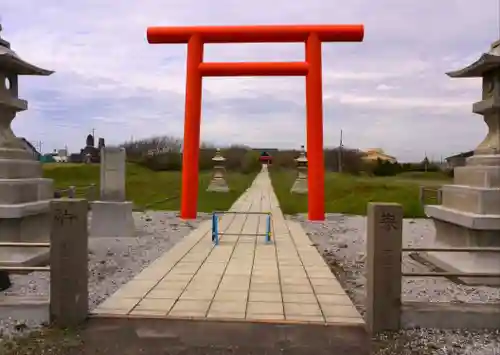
218	156
485	63
11	62
302	156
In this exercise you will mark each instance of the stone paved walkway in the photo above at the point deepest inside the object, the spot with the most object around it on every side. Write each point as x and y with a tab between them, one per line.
242	278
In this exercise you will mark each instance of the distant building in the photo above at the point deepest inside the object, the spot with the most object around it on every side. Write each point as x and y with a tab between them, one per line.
62	152
57	156
90	153
61	156
374	154
47	158
266	158
75	158
265	149
458	159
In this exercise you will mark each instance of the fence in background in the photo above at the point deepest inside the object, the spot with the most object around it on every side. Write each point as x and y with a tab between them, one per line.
383	266
89	192
68	263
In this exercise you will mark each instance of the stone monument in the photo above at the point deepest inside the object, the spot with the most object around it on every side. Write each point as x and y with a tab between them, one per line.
90	142
470	212
24	195
300	184
101	144
90	154
112	214
218	182
384	237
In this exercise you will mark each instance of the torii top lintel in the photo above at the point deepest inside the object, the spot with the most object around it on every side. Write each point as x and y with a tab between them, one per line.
256	34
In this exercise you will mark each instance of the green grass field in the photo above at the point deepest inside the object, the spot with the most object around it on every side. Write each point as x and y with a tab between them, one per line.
350	194
344	193
145	187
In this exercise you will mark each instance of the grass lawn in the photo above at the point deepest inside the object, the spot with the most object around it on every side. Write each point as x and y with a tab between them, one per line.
350	194
145	187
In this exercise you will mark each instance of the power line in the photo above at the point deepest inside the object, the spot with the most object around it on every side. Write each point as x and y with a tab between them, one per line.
339	158
38	146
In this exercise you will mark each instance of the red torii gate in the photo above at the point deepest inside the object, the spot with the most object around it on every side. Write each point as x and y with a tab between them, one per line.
311	35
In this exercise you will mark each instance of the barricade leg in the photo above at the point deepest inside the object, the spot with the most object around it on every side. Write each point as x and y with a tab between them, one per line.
214	218
268	229
216	230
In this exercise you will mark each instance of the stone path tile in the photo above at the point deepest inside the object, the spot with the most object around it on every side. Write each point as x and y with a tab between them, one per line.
243	277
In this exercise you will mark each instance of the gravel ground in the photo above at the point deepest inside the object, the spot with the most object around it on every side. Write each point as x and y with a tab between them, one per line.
112	262
341	241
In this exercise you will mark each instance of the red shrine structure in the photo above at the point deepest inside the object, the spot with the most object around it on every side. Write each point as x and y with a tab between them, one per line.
311	68
266	158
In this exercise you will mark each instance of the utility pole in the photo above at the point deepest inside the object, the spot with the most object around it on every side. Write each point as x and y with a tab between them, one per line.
93	133
339	158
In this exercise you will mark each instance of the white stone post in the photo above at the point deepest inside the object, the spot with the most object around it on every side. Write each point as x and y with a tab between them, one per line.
383	266
112	215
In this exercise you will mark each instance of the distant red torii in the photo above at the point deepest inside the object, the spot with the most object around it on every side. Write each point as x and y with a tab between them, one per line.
311	35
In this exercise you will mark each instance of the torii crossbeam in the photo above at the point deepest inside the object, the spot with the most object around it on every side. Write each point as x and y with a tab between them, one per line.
311	35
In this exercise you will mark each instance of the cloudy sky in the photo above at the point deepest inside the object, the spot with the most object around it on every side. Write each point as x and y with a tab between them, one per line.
390	91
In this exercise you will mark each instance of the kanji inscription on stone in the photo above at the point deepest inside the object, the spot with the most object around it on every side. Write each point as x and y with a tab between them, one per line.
62	215
388	221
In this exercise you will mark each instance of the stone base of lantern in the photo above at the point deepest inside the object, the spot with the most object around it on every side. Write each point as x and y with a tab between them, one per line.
461	229
300	185
24	212
112	219
27	223
469	217
218	184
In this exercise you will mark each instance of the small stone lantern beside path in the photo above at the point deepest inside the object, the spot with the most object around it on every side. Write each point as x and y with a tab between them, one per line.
300	184
218	182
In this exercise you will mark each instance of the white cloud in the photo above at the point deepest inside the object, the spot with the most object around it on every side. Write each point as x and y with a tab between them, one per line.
387	102
389	91
384	87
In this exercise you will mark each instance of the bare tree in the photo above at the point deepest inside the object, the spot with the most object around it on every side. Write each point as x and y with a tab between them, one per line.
137	149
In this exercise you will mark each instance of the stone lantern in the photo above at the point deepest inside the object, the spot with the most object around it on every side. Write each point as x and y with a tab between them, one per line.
24	195
470	212
300	184
218	182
